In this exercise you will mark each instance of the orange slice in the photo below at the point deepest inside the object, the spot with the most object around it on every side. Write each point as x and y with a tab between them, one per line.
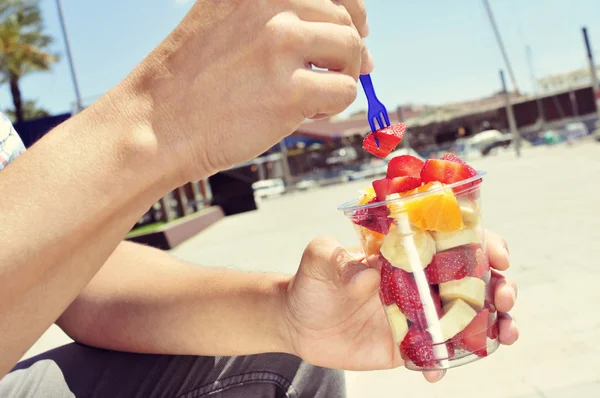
439	211
367	195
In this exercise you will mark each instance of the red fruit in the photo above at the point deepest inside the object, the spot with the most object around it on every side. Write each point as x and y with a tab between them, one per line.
384	285
387	186
452	264
375	218
453	158
417	346
482	266
445	171
493	327
405	166
474	337
388	139
404	292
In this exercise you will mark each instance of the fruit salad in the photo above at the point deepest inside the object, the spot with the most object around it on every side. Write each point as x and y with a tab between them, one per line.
421	227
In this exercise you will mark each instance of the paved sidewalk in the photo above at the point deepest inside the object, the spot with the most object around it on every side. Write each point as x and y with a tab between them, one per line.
546	204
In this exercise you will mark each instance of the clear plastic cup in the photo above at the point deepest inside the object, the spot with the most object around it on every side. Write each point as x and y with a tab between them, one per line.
429	247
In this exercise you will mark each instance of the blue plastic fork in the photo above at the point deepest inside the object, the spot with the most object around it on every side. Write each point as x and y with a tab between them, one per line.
377	111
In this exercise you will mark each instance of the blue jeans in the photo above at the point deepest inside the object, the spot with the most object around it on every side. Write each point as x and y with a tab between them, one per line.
79	371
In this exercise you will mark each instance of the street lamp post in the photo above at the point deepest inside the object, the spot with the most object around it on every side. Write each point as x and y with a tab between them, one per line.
69	56
512	124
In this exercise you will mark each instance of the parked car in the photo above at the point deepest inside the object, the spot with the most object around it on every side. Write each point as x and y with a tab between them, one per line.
268	188
576	130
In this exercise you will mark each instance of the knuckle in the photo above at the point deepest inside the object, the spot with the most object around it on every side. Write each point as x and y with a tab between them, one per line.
353	41
285	36
316	248
344	16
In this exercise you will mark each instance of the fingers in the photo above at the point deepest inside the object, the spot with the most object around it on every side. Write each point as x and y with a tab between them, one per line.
341	12
497	251
358	12
505	292
333	47
347	13
509	333
322	11
325	92
433	376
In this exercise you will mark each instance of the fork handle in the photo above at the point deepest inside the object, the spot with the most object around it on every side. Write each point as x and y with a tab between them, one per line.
367	85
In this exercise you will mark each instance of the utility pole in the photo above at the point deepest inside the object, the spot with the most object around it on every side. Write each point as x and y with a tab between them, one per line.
488	9
594	74
536	90
285	165
512	124
69	56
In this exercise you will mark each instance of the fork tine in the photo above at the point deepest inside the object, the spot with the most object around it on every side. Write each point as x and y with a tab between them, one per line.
380	120
387	118
372	124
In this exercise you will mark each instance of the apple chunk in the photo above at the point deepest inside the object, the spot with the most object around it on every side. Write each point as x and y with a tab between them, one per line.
457	316
470	290
398	322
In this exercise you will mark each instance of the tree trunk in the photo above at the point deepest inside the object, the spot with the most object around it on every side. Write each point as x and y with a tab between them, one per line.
17	100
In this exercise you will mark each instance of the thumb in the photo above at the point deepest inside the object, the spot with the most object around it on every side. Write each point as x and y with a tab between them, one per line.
359	280
324	258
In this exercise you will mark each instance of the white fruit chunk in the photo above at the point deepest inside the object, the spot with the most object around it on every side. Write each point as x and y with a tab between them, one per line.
449	240
470	214
457	316
397	321
394	251
469	289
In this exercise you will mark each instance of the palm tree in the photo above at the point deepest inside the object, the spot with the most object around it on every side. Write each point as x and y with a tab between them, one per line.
31	111
23	46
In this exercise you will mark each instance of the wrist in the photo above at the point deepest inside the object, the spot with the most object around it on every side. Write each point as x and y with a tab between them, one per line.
142	154
278	312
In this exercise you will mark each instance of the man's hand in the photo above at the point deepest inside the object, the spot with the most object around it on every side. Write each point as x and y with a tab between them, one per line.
237	76
336	319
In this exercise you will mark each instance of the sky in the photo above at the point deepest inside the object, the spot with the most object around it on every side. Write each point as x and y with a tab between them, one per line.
426	52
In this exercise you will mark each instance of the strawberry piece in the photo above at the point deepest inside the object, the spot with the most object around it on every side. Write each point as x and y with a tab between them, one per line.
474	337
417	346
452	264
384	286
375	218
482	267
387	186
493	326
387	138
405	166
455	159
404	292
445	171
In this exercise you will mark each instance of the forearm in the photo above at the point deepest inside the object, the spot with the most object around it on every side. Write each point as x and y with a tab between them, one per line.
147	301
64	207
